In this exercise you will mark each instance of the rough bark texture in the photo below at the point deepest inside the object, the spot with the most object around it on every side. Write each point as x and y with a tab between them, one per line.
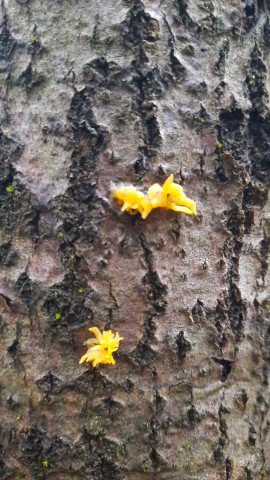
132	91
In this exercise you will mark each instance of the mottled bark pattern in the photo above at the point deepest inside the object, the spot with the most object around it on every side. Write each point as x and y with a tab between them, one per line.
132	91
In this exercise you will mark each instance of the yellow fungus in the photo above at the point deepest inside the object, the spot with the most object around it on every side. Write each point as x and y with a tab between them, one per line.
45	463
57	316
219	145
60	235
170	196
81	290
101	348
10	189
130	197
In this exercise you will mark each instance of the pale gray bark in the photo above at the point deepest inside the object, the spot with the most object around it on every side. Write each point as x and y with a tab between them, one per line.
131	91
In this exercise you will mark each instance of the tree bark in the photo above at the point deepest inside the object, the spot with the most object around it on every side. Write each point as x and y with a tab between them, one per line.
131	91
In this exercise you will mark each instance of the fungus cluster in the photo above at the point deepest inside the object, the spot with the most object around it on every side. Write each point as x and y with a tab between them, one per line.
101	348
170	196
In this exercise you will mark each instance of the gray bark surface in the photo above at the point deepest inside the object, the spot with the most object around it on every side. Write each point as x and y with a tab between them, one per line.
132	91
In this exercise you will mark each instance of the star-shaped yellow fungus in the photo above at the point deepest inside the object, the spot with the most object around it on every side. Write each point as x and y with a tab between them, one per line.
170	196
101	348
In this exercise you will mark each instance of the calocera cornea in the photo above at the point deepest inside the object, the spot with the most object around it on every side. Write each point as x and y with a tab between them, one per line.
169	196
101	347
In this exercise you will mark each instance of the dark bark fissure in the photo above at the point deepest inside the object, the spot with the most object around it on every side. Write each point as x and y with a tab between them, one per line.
157	291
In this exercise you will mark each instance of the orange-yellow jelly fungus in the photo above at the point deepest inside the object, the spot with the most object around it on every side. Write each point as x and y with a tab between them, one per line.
101	348
170	196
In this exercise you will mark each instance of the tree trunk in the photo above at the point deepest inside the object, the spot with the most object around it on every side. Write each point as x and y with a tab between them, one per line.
130	91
